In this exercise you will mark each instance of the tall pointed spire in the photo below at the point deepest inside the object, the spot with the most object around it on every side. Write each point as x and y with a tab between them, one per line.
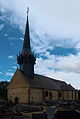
26	58
26	44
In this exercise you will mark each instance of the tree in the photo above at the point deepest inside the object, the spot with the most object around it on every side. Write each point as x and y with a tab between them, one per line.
3	89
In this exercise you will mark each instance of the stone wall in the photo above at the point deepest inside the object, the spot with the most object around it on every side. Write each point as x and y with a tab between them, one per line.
35	95
51	95
20	93
67	95
39	95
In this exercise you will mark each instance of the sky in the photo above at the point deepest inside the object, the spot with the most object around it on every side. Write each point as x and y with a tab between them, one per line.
54	33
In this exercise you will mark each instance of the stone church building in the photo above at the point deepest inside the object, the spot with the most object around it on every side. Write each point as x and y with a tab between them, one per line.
26	86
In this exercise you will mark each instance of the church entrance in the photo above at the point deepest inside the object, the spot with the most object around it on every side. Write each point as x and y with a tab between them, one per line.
16	100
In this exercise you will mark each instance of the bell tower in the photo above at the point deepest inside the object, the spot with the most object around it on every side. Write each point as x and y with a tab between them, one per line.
26	58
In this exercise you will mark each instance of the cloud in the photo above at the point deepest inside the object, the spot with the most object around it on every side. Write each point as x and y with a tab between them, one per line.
1	73
8	80
69	63
21	38
9	70
58	18
11	57
78	46
14	67
8	74
5	34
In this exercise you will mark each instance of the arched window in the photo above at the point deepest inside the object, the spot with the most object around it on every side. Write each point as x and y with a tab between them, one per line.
60	94
46	93
16	100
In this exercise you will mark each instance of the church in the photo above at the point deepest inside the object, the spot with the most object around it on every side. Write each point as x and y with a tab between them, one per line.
28	87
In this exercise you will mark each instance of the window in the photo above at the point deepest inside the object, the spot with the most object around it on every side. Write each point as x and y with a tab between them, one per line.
46	93
60	94
38	92
50	93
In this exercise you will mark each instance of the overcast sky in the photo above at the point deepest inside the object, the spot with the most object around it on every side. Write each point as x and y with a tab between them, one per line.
55	34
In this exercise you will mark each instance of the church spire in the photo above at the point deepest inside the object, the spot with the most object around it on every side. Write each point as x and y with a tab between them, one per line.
26	58
26	44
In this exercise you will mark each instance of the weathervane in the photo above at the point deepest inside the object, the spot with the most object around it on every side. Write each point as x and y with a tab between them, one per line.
27	10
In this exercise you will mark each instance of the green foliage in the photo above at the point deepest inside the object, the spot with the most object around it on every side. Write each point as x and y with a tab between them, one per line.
3	89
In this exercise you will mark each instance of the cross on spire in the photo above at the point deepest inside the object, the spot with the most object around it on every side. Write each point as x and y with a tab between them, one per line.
27	10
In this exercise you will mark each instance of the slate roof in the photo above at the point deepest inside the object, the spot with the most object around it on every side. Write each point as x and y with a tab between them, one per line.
39	81
44	82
